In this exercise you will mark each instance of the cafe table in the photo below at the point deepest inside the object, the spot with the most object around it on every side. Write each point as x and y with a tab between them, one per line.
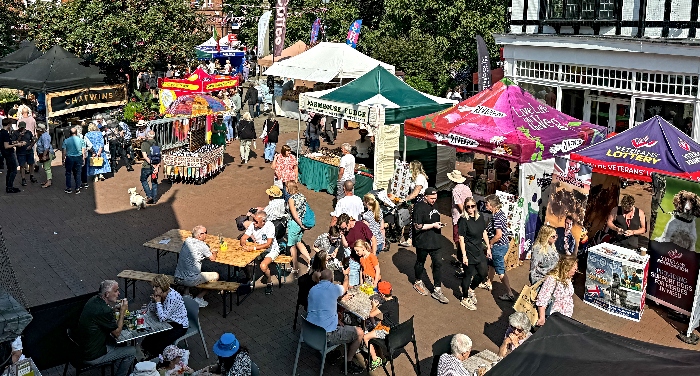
153	326
356	302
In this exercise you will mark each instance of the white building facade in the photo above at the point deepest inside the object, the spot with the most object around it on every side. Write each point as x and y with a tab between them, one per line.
614	63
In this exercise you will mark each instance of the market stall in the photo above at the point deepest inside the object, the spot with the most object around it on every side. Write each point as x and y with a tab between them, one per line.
215	50
199	82
319	172
381	101
288	52
26	53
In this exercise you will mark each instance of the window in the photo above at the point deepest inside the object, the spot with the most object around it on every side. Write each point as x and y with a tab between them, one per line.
581	9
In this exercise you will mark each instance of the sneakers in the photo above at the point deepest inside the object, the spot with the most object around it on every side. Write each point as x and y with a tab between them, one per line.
68	190
471	296
376	363
468	304
77	191
486	286
420	287
507	298
268	289
202	303
437	295
406	243
12	190
354	369
24	182
84	186
33	179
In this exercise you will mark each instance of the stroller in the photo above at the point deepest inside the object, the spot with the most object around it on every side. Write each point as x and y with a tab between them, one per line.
396	216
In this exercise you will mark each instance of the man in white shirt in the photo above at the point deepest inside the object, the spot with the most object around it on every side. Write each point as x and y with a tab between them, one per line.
323	311
262	234
346	169
350	204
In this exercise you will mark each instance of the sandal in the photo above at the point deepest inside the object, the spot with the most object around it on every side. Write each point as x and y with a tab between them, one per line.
376	363
507	298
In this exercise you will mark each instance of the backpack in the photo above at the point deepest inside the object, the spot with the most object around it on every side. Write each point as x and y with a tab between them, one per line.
154	154
309	219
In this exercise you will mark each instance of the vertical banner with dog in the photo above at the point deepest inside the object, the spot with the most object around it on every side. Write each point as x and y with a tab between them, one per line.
566	210
674	249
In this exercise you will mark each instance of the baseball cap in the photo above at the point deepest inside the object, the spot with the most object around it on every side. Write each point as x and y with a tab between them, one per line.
430	191
21	124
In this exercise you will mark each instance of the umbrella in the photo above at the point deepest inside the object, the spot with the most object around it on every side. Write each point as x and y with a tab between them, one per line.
196	105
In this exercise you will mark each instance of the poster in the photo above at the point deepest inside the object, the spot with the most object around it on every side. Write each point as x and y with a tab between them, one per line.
513	209
602	198
535	180
566	209
616	278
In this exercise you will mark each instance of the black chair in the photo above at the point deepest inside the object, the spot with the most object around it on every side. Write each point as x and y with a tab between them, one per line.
305	284
79	365
397	339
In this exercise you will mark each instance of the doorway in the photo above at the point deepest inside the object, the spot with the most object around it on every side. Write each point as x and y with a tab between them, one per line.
612	112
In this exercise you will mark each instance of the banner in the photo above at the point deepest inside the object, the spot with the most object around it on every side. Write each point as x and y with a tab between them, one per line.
69	101
602	198
535	180
616	278
354	33
315	30
280	26
346	111
484	63
566	209
264	34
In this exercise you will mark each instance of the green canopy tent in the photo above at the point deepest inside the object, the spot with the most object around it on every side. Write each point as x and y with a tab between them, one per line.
382	101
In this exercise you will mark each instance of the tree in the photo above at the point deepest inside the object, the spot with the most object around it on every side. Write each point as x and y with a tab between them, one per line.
10	34
138	34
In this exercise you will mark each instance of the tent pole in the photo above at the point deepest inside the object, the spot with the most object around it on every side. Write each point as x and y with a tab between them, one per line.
299	133
404	148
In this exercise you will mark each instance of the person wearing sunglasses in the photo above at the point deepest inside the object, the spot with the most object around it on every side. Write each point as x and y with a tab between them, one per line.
518	331
473	241
188	271
544	254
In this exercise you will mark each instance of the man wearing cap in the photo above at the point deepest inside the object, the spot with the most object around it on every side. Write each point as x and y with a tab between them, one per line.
7	146
149	169
142	130
45	152
25	152
262	233
349	204
427	238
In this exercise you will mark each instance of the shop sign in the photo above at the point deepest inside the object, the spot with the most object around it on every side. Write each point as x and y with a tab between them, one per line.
221	85
179	85
358	114
69	101
634	154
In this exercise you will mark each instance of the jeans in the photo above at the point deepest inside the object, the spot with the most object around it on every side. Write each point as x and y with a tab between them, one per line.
11	163
73	166
251	109
230	133
314	144
474	274
419	267
270	151
117	149
152	191
122	357
83	173
245	149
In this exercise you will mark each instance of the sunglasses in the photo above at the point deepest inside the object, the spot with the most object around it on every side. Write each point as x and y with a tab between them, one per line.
471	206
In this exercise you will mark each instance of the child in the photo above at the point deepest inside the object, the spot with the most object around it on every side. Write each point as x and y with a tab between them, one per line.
388	307
368	261
173	361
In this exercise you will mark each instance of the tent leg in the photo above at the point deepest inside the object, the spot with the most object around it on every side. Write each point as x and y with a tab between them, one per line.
299	134
404	148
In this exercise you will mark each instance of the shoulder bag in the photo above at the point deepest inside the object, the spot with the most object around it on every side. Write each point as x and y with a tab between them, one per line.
526	301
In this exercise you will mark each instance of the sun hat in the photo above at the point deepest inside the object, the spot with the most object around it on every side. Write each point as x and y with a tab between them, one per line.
456	176
384	287
17	344
171	352
226	346
141	123
274	191
145	369
41	127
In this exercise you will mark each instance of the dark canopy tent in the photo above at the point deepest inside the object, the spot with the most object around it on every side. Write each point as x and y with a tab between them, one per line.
56	70
564	346
26	53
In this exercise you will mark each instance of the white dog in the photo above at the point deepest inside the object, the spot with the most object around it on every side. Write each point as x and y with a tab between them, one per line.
681	230
136	199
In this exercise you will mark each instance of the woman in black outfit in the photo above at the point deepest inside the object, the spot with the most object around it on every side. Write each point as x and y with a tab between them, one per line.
472	236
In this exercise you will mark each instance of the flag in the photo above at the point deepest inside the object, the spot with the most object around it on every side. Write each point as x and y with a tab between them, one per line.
264	34
280	26
315	30
215	35
484	64
354	33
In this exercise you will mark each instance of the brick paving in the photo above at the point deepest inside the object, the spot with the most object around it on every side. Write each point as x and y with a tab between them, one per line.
63	245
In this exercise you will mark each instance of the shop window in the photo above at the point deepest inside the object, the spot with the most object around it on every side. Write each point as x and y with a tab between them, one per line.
674	84
678	114
544	94
535	69
581	9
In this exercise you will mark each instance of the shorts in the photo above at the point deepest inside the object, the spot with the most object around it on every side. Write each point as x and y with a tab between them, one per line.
380	334
273	254
294	232
203	277
380	247
23	159
341	335
498	253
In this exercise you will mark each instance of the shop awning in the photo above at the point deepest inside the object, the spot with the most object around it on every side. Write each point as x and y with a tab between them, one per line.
507	122
198	82
652	146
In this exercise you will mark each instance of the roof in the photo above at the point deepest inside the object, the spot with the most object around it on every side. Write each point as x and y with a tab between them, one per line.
26	53
288	52
325	62
56	70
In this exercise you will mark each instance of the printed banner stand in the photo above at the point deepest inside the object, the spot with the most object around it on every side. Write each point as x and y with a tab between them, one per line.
616	279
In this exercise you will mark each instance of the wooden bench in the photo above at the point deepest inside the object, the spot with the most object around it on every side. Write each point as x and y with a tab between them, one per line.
131	276
279	262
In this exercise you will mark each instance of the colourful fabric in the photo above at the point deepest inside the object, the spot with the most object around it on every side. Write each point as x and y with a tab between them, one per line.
98	143
368	263
459	193
561	294
284	167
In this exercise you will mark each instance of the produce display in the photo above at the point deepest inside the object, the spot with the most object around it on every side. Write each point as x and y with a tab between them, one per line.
332	157
193	167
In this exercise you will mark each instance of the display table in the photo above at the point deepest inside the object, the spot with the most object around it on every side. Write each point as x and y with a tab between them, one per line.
194	167
616	280
319	176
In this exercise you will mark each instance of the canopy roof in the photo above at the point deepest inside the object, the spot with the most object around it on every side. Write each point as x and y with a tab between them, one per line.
652	146
56	70
208	50
564	346
325	62
288	52
508	122
26	53
376	87
198	82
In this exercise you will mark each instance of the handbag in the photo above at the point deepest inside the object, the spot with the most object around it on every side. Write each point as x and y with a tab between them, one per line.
309	219
96	161
526	301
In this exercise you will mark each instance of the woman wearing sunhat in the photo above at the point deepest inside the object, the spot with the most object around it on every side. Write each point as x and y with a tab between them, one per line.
233	358
460	192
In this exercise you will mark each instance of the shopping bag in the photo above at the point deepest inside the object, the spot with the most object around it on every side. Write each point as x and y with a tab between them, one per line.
526	301
96	161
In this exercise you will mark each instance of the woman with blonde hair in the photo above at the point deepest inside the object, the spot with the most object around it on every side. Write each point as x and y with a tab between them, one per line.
97	150
168	305
544	254
474	244
246	133
373	218
419	182
499	241
296	207
557	291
